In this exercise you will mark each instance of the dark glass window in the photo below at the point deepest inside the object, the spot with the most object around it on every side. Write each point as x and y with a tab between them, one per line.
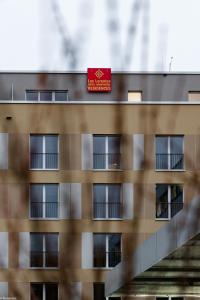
44	151
44	291
60	95
99	292
32	95
44	250
169	152
107	201
46	96
106	152
169	200
107	250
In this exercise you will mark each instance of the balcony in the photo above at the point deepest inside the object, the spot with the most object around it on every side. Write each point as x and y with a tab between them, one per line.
106	161
166	210
44	161
44	259
107	210
106	259
169	161
44	210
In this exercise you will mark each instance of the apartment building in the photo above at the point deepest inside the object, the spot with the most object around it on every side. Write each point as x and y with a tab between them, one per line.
88	177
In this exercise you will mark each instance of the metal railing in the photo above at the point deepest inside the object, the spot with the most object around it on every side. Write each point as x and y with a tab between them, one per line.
106	259
44	209
44	160
107	210
169	161
166	210
106	160
44	259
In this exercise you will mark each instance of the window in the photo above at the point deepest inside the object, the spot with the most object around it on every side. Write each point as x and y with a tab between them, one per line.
106	152
107	201
194	96
169	152
44	151
107	250
135	96
169	200
46	95
44	250
44	201
44	291
99	292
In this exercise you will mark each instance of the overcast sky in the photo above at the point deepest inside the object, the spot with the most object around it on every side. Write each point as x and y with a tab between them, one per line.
131	35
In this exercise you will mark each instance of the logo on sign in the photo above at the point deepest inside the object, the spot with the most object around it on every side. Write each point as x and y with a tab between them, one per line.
99	80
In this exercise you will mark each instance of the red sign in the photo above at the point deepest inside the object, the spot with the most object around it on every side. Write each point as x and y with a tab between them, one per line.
99	80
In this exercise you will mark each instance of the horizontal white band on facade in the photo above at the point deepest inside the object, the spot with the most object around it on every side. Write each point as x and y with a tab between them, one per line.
99	102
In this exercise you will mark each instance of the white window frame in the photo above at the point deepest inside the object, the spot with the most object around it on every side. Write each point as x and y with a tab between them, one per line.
107	203
43	152
53	97
168	152
44	251
43	289
107	249
169	201
107	153
44	202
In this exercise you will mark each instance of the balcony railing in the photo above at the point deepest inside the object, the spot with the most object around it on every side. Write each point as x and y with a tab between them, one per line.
44	209
107	210
106	259
106	160
169	161
166	210
44	160
44	259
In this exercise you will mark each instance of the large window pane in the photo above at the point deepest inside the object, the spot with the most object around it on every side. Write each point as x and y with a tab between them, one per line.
36	149
114	248
36	250
98	291
51	254
46	96
114	200
61	96
162	201
99	149
176	149
51	201
31	95
99	250
113	152
51	291
36	198
99	194
36	291
51	151
176	199
161	152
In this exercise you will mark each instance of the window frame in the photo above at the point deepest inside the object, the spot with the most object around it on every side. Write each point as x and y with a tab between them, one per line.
44	251
107	203
106	136
168	152
53	97
43	289
168	200
44	202
107	248
43	152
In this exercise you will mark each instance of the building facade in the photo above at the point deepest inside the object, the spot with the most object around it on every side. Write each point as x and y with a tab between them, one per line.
86	177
